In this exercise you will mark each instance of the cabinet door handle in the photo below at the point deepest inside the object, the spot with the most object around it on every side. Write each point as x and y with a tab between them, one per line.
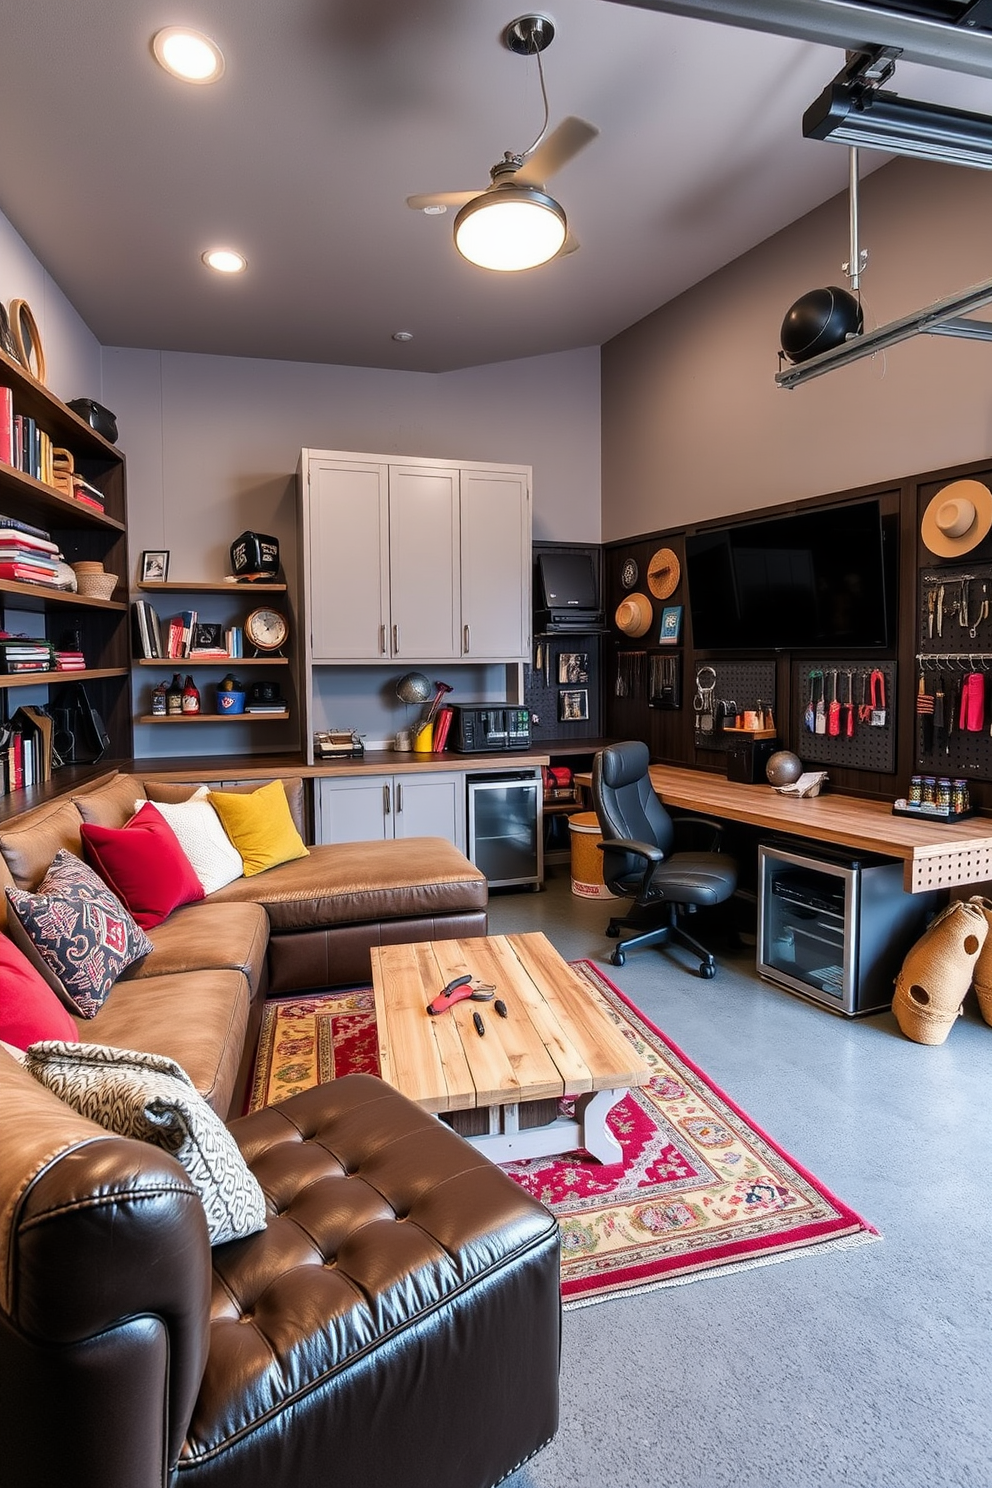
385	799
396	640
467	639
382	640
399	797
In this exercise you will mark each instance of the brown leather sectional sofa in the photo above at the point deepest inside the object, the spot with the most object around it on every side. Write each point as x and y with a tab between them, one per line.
397	1321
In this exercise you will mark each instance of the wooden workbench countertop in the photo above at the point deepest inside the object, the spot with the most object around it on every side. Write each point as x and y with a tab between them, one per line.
935	855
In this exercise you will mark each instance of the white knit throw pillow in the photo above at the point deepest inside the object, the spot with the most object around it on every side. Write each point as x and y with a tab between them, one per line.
151	1098
214	858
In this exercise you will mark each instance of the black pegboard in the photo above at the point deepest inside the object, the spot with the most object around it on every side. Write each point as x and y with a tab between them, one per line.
868	748
741	682
543	691
948	652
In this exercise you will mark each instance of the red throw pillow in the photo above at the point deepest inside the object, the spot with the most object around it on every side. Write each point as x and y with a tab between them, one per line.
29	1009
144	865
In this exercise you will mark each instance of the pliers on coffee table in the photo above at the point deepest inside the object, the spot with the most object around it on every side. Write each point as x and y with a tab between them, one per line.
457	991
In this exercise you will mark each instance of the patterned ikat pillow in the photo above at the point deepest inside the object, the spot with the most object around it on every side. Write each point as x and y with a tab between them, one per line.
77	932
152	1098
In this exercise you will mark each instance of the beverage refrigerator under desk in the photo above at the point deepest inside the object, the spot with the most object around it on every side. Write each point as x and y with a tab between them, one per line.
835	927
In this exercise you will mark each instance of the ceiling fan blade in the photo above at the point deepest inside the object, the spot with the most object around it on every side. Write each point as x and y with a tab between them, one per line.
443	199
571	136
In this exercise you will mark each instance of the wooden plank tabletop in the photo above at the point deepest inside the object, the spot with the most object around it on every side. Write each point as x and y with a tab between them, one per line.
556	1040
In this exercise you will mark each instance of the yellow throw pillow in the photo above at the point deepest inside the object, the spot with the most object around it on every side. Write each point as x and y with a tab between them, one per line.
260	825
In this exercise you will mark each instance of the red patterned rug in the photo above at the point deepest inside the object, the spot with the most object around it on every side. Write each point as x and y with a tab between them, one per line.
701	1190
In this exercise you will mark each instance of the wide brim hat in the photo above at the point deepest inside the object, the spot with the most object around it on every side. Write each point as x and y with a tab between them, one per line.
634	615
957	518
664	573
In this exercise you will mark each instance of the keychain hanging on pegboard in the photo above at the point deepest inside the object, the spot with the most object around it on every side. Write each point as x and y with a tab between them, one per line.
846	713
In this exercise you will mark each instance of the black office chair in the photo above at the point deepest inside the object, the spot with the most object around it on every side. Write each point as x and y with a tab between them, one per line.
638	860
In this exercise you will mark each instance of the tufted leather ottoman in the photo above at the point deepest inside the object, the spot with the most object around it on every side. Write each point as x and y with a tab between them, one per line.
397	1322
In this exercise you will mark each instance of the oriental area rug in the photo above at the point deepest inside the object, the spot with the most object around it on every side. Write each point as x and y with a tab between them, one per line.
701	1191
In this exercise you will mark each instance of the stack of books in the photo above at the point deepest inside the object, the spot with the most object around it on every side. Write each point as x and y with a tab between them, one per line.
25	654
70	661
27	554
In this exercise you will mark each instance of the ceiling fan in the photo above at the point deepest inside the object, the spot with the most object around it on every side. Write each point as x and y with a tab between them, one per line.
513	223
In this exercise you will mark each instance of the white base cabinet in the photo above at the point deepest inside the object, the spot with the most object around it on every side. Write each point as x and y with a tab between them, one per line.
378	808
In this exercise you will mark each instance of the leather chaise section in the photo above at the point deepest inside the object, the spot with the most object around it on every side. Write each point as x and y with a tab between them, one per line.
394	1253
354	882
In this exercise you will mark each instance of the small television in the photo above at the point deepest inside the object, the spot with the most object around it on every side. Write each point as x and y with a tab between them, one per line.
810	580
568	581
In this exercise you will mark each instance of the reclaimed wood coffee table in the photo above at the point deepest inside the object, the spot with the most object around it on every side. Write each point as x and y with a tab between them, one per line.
502	1089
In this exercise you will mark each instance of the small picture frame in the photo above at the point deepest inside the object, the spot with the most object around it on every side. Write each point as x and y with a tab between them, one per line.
155	566
671	625
573	667
573	706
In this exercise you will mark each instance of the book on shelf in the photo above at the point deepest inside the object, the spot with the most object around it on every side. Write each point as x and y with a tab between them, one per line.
267	708
13	525
27	573
147	636
174	649
235	639
6	425
26	541
36	727
33	558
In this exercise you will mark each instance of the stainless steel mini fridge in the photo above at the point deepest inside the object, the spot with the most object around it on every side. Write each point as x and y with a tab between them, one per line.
506	827
835	927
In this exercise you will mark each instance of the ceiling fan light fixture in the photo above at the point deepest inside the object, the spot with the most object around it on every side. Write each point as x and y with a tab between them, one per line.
509	229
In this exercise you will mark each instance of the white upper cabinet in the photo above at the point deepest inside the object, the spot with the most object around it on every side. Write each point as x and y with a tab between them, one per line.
414	560
495	564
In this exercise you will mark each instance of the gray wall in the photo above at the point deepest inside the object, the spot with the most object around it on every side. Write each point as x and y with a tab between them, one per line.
212	442
694	425
72	352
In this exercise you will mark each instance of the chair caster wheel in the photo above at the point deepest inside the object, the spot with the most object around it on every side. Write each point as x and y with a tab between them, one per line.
618	958
613	931
707	970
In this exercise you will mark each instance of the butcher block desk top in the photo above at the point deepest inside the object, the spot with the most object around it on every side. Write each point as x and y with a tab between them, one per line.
934	856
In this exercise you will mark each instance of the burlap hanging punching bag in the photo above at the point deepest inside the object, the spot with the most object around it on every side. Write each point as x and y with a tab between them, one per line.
937	973
983	966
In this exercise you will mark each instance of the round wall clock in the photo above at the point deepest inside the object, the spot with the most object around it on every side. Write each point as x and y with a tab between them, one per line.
266	629
628	573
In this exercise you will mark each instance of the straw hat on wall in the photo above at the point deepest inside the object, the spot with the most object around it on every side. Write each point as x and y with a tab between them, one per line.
634	615
957	519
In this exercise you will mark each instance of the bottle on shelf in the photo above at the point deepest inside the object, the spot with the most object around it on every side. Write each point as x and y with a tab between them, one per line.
191	696
160	702
174	696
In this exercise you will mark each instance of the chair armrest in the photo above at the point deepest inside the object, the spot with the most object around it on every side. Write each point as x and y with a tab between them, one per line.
646	850
698	833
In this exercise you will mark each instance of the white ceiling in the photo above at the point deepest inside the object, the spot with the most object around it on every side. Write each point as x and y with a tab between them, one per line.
330	113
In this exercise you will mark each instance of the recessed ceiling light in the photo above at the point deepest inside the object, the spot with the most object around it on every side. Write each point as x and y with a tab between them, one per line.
402	335
224	260
188	54
438	209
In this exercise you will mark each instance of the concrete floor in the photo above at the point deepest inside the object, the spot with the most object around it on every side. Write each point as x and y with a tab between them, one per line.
867	1368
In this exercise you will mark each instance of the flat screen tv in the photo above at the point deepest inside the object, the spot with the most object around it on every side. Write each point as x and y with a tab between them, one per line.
813	579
